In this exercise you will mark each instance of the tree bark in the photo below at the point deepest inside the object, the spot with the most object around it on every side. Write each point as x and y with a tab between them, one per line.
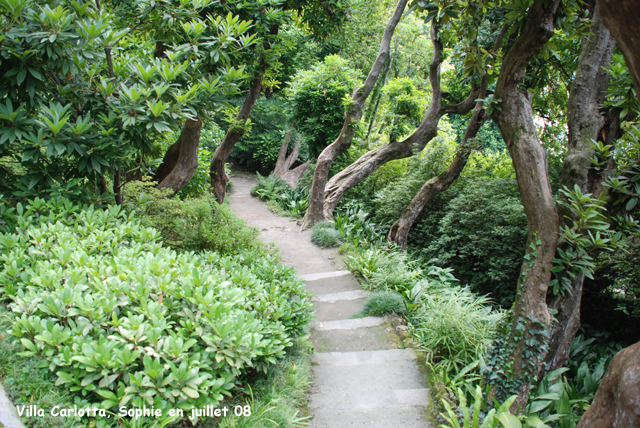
399	232
181	160
284	162
525	346
351	118
622	18
585	123
117	187
217	173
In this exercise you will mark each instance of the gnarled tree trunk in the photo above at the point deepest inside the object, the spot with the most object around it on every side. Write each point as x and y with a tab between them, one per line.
585	124
520	354
181	160
284	162
399	232
351	118
368	163
217	173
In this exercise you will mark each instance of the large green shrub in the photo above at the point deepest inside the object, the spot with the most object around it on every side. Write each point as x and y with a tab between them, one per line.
483	236
318	101
125	321
403	107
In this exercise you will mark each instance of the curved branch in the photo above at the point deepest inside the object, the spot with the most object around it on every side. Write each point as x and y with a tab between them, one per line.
351	118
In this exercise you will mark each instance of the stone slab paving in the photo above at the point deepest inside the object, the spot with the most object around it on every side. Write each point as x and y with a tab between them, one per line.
359	379
342	295
339	284
338	310
347	324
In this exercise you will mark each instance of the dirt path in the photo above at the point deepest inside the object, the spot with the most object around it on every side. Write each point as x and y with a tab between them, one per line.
360	379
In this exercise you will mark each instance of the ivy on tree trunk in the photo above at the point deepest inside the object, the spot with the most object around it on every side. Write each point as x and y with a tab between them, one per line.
586	124
518	356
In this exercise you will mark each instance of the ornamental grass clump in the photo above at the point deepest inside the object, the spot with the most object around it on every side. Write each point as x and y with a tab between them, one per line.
325	235
124	321
453	325
384	302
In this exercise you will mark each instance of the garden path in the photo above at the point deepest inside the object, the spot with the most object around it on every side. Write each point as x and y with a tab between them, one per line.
361	378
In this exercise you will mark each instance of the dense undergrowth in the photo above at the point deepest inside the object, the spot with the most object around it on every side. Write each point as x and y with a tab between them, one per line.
102	308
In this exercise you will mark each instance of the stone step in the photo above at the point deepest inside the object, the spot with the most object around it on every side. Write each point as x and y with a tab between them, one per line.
335	284
342	295
390	417
324	275
351	340
369	400
331	380
338	310
349	324
363	357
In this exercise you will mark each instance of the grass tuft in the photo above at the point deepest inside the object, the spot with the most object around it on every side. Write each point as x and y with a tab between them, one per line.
324	235
384	302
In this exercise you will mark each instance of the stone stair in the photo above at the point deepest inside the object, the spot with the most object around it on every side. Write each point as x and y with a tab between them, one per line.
360	378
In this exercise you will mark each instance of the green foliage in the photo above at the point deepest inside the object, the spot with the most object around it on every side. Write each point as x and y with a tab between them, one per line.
498	416
325	235
382	303
200	182
258	149
295	201
123	320
396	195
269	188
483	237
453	325
355	226
85	98
282	198
405	104
625	273
364	262
27	382
318	101
589	233
621	94
278	396
193	224
396	271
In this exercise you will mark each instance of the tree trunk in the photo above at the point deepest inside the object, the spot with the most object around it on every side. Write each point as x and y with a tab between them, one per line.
117	186
399	232
181	160
217	173
351	118
284	162
622	18
293	177
525	346
585	123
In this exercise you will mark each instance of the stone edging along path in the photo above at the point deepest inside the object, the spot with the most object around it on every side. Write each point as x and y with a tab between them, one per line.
360	378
